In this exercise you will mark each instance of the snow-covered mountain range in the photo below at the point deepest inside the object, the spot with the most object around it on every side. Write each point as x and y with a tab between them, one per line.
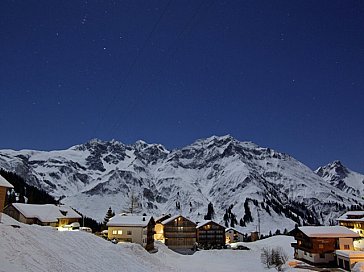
222	170
343	178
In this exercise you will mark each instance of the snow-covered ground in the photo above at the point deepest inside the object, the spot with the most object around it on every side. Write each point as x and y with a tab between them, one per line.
35	248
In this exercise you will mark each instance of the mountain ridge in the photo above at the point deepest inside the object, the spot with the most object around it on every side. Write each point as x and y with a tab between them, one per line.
221	170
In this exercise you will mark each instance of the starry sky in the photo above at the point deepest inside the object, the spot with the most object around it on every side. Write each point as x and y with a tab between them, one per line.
284	74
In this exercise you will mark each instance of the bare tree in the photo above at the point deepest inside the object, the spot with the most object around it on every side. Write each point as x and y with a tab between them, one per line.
273	257
133	205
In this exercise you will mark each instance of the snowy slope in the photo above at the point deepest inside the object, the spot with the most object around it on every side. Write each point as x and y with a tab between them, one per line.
35	248
222	170
343	178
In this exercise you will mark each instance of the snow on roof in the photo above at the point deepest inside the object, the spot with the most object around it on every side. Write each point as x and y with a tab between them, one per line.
161	217
175	217
346	216
235	229
350	253
328	231
129	220
170	219
46	212
5	183
204	222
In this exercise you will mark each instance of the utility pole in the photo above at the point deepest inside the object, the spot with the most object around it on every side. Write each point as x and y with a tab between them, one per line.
258	223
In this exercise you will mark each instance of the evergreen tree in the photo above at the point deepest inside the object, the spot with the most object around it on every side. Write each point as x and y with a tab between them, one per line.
25	191
108	215
248	215
210	212
232	220
226	219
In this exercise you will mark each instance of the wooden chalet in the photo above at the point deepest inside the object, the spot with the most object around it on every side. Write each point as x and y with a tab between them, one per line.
42	214
317	245
4	186
210	235
179	232
233	235
132	228
353	220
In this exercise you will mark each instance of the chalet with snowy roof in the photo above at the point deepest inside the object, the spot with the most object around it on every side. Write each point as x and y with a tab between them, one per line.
233	235
353	220
210	234
159	233
42	214
179	232
4	186
132	228
317	245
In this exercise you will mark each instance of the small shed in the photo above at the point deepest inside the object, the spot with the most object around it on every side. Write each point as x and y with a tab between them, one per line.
346	259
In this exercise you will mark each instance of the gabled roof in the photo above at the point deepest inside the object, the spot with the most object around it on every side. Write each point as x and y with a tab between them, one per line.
350	253
346	216
46	212
162	218
328	232
204	222
175	217
120	220
234	229
5	183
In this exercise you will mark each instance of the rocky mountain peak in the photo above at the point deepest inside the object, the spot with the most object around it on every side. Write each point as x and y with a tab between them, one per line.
334	170
220	169
340	176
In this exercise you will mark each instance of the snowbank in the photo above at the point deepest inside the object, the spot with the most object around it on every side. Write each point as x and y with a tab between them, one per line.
35	248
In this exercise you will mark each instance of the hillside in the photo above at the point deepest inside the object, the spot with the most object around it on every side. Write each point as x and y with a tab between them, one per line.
232	175
40	249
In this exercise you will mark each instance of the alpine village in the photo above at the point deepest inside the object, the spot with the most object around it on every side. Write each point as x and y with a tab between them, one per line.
335	246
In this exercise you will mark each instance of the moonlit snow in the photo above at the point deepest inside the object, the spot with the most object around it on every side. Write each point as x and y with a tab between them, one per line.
40	249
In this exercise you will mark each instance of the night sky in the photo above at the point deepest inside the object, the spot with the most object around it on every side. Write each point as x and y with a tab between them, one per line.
284	74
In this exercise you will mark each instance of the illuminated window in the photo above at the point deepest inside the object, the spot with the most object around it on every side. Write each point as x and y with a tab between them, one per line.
321	246
120	232
114	232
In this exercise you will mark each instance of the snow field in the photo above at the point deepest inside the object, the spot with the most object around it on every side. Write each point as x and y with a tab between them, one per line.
34	248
